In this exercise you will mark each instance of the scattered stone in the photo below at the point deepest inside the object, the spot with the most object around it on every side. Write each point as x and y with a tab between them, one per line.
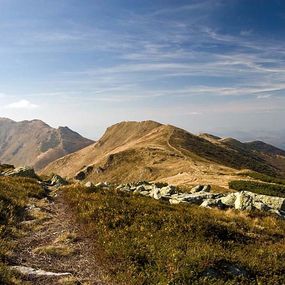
89	184
32	272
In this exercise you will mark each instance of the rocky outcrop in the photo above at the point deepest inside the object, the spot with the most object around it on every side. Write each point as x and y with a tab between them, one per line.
201	195
24	171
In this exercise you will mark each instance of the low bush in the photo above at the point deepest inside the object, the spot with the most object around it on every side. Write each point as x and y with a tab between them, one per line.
265	178
258	187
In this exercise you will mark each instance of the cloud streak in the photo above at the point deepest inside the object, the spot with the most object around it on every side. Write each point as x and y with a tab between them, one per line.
22	104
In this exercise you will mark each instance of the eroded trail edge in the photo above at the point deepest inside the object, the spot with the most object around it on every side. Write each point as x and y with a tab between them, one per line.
52	249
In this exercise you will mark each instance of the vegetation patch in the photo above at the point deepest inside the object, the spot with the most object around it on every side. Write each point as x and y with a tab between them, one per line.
144	241
265	178
14	194
258	187
55	250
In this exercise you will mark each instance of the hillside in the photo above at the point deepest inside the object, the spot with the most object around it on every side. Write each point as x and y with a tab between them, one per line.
131	151
35	143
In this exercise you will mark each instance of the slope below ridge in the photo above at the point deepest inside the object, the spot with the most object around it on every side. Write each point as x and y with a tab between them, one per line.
132	151
35	143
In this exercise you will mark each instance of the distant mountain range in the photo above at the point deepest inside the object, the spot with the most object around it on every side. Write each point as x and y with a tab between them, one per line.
34	143
271	137
131	151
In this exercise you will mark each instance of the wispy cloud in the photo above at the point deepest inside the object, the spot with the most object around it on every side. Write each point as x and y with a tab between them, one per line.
21	104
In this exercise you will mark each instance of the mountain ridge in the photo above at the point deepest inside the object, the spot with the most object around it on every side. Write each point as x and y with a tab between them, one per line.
148	150
35	143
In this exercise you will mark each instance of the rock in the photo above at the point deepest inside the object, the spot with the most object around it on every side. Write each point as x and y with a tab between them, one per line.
229	200
29	271
155	193
102	186
89	184
168	190
206	188
260	206
139	189
243	201
82	174
276	203
197	188
58	181
213	203
24	171
194	198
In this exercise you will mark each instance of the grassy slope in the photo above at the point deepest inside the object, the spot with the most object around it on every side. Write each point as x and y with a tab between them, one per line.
14	193
131	151
148	242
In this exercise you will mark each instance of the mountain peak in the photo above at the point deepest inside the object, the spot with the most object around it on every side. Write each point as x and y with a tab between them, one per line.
35	143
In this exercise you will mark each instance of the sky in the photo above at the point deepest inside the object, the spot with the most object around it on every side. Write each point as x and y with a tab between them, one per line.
207	66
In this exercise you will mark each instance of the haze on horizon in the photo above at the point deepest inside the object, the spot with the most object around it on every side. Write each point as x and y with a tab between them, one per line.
207	66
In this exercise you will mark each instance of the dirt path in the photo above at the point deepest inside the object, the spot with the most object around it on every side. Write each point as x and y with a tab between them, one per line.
52	242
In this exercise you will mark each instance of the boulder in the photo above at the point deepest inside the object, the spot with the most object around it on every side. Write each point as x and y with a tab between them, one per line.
58	181
195	198
213	203
229	200
244	201
24	171
80	176
168	190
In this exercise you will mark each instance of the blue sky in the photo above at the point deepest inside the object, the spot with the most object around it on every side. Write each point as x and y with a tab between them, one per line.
209	65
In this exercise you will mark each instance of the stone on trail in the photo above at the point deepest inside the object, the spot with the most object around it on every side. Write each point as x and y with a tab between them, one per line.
32	272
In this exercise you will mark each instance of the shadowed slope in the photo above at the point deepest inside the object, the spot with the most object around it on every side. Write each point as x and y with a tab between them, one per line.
35	143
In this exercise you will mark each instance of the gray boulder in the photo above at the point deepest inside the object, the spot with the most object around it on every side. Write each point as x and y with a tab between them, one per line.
24	171
229	200
244	201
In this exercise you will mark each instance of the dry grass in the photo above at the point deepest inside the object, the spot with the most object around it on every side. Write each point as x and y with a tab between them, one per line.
55	250
69	281
14	195
66	237
150	242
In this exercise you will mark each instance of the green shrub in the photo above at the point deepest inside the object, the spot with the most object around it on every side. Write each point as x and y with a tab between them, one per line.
258	187
265	178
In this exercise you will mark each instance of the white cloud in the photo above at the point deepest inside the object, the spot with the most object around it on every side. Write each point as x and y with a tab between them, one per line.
22	104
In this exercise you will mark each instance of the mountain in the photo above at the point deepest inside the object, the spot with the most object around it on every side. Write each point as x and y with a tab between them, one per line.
131	151
34	143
